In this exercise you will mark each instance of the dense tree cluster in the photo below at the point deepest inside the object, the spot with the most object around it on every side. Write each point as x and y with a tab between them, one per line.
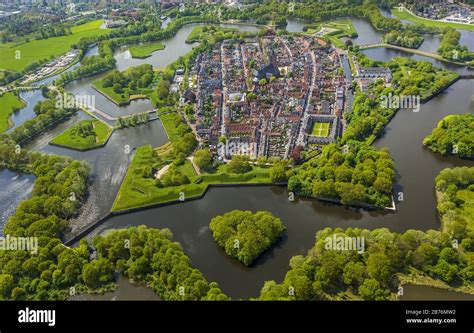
90	65
204	160
329	273
245	235
455	192
279	172
186	142
172	177
47	115
59	190
450	49
355	174
403	38
147	255
424	78
32	26
454	135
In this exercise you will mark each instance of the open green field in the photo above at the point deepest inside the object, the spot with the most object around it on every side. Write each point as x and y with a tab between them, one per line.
92	25
9	102
71	138
37	50
320	129
145	50
405	15
137	191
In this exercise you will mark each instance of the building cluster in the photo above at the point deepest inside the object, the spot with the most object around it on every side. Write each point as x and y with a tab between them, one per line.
446	10
266	93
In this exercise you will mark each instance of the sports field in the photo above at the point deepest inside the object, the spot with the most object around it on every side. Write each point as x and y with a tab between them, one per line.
17	57
320	129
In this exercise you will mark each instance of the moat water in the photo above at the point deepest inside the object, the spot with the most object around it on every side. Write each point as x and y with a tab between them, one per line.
416	170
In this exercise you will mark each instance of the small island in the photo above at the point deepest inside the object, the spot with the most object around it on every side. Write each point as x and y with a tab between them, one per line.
86	135
122	87
454	135
245	235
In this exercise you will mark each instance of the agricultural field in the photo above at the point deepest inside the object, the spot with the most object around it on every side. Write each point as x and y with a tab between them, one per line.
406	15
320	129
18	56
9	102
145	50
86	135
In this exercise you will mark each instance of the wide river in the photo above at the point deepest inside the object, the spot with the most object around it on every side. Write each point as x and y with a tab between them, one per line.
416	170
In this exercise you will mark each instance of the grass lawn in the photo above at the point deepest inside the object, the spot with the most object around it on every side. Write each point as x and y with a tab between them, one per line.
320	129
36	50
405	15
71	139
145	50
137	191
8	103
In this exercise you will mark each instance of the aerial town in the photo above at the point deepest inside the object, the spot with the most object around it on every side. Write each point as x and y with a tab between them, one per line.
265	96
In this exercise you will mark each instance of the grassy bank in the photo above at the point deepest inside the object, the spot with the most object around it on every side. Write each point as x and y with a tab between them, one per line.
9	102
18	56
143	51
86	135
405	15
119	99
